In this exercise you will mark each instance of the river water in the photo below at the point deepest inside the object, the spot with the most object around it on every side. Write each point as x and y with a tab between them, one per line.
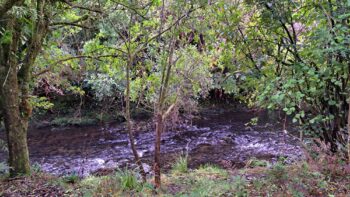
217	136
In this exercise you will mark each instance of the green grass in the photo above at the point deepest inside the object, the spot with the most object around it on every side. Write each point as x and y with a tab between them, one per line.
71	178
207	180
180	165
300	179
127	179
254	162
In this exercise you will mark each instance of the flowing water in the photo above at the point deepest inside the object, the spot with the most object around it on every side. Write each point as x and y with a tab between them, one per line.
217	136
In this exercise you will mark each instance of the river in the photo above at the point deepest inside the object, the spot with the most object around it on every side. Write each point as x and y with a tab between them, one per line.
218	136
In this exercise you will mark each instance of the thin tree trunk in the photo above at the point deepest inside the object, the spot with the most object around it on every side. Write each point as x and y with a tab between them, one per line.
159	130
128	122
160	114
349	134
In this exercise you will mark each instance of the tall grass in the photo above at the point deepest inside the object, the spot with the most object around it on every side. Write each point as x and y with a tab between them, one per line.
180	165
128	180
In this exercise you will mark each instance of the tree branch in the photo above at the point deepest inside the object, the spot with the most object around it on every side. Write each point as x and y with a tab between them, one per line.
132	8
82	7
69	24
73	23
70	58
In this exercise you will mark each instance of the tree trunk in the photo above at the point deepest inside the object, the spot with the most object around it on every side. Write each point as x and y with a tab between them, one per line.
128	122
349	134
16	128
15	79
160	113
159	130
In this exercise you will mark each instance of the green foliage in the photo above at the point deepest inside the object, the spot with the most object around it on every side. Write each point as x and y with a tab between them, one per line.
291	56
279	59
205	187
103	86
36	168
6	37
239	186
71	178
278	173
252	122
40	103
127	179
212	169
180	165
253	162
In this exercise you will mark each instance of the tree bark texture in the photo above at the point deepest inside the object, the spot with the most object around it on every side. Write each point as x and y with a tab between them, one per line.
15	76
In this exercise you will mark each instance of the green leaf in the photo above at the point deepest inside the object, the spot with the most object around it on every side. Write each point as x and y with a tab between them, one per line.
6	37
332	102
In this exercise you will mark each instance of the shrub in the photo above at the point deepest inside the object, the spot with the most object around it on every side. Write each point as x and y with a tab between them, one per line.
278	173
36	168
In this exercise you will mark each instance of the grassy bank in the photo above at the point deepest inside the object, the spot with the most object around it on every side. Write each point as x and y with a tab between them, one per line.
257	178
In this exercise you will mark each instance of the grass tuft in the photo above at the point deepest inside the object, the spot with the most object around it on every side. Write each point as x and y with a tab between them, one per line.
180	165
71	178
128	180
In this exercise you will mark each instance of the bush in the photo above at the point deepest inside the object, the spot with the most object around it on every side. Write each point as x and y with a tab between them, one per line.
36	168
278	173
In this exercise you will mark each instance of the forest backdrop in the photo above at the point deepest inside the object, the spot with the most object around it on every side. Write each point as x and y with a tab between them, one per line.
118	56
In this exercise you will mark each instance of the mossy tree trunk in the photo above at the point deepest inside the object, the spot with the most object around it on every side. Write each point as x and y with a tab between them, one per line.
15	76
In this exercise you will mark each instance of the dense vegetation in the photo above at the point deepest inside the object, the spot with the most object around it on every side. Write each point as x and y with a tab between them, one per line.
118	58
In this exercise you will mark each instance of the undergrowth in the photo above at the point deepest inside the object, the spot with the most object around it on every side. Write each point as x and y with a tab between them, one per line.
322	174
180	165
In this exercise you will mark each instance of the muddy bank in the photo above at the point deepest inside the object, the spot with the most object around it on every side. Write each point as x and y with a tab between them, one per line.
217	136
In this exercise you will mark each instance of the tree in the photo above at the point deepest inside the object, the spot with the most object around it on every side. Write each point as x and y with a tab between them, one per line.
291	56
17	56
25	27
